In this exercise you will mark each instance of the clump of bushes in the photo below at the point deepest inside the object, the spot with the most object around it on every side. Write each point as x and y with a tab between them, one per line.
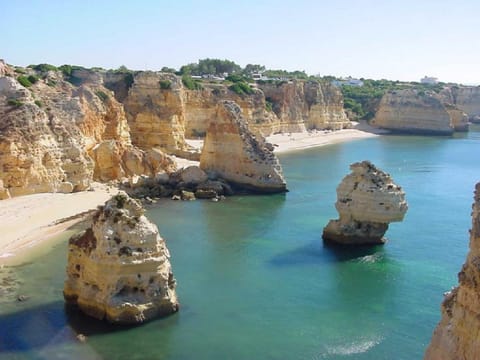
102	95
14	102
165	84
241	88
27	81
38	103
43	67
190	83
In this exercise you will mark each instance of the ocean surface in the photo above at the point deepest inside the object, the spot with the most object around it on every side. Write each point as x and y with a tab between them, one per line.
255	280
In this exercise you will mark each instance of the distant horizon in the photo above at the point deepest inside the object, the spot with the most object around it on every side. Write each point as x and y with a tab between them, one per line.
373	39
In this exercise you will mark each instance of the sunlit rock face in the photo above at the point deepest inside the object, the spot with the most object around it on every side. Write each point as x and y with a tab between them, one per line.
119	268
367	201
457	336
232	152
412	111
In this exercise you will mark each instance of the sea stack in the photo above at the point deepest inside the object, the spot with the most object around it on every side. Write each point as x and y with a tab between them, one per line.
367	201
234	153
457	336
119	269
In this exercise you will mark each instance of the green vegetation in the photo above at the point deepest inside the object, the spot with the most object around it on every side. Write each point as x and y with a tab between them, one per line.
33	79
190	83
166	69
210	67
22	79
38	103
14	102
165	84
268	105
283	74
19	70
240	85
43	67
102	95
362	101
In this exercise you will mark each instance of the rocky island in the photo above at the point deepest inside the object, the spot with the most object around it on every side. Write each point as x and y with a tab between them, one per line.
367	201
119	269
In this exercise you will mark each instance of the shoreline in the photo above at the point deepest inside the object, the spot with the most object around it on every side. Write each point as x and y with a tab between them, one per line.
32	220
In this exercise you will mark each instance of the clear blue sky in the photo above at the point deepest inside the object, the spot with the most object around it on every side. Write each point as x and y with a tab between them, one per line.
392	39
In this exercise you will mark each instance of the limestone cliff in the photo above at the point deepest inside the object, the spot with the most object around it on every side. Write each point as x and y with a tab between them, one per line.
119	269
367	201
303	105
464	98
412	111
57	136
231	151
457	336
155	109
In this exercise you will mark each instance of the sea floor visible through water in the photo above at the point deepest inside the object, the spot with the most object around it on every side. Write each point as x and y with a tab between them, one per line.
255	280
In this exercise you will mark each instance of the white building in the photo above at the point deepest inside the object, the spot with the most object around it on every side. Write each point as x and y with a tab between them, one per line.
429	80
348	81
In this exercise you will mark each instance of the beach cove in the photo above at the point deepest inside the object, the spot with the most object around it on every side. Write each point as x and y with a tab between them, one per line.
255	280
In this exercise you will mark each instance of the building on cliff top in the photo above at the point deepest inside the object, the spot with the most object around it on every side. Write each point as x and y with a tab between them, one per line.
429	80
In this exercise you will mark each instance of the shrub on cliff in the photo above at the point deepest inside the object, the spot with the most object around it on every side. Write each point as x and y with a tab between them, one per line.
14	102
43	67
102	95
191	84
241	88
22	79
165	84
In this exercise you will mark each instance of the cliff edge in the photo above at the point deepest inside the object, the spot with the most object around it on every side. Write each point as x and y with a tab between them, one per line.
457	336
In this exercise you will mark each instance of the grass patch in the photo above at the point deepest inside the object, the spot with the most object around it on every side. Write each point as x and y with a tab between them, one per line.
14	102
38	103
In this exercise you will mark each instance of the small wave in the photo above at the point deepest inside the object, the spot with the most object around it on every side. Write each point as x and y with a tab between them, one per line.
370	258
355	347
4	255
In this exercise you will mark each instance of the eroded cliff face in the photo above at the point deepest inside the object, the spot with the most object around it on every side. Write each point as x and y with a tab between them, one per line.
411	111
119	268
467	98
233	152
303	105
155	108
367	201
59	137
457	336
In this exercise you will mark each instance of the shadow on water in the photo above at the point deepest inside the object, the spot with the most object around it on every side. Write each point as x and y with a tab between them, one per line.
319	252
53	324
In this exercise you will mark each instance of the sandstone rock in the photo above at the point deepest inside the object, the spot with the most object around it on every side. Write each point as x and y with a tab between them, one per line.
187	195
155	114
119	268
205	194
193	175
65	187
410	111
457	336
367	201
231	151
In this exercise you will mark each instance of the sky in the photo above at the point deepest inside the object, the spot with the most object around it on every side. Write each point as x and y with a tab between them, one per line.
390	39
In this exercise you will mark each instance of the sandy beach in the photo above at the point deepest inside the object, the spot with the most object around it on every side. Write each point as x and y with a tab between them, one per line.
29	220
32	219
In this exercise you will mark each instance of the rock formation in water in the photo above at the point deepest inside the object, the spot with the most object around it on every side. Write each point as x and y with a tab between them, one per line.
57	136
457	336
232	152
119	269
420	112
367	201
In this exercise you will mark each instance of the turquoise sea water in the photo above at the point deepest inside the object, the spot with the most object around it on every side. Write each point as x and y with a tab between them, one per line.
256	282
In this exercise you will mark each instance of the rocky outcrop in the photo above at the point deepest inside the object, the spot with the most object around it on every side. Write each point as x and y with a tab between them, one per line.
231	151
367	201
412	111
57	136
119	268
457	336
155	112
467	99
303	105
